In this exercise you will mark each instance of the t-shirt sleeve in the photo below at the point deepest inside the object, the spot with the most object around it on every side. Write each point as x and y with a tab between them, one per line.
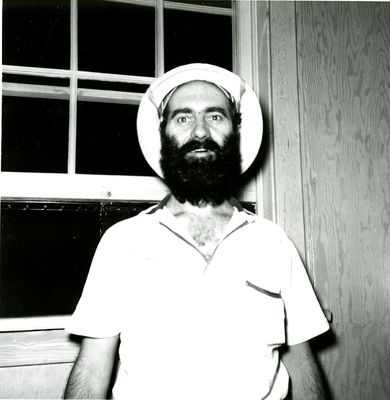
97	312
304	316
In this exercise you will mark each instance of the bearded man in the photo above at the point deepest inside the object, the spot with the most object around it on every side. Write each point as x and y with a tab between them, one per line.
198	293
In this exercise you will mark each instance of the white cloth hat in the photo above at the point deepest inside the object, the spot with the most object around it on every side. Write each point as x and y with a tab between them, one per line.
148	118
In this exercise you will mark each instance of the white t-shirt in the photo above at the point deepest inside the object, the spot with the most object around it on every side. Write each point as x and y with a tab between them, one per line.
192	327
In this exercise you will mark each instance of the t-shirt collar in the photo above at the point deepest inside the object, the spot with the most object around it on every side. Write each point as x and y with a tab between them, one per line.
240	214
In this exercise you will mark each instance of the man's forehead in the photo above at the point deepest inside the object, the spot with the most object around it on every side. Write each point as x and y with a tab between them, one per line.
200	86
196	90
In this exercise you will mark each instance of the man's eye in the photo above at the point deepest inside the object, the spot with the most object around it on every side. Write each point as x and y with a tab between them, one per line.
183	119
215	117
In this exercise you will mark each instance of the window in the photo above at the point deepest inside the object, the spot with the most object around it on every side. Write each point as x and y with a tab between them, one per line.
76	70
35	134
73	73
47	248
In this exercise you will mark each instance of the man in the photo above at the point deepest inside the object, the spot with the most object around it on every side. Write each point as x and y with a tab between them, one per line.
198	293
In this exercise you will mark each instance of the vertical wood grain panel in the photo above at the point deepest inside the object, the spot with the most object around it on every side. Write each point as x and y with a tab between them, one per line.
357	366
344	92
345	75
286	122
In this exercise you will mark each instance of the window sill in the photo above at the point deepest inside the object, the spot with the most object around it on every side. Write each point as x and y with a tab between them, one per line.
33	323
21	349
26	185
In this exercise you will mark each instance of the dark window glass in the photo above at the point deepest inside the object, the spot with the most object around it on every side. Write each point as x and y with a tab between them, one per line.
46	251
197	37
214	3
116	38
35	135
36	33
107	141
35	80
249	206
116	86
45	259
113	212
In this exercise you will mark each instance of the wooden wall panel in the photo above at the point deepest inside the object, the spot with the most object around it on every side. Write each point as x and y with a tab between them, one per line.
285	114
36	364
36	347
357	365
34	382
345	121
344	104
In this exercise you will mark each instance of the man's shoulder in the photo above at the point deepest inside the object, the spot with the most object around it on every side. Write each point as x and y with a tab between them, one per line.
136	222
265	226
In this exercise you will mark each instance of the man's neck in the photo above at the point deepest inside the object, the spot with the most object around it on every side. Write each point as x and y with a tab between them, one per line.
205	223
202	210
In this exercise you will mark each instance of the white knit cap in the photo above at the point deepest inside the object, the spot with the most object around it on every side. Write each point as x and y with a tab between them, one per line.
247	103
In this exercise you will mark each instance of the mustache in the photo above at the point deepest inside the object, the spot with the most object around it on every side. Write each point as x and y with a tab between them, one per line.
207	144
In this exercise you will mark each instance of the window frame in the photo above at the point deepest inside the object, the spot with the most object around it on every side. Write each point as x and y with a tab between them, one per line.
246	19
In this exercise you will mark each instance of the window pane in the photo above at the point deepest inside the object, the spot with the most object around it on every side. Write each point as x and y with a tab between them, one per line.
36	33
46	251
36	80
116	86
197	37
107	141
35	135
45	258
214	3
116	38
114	212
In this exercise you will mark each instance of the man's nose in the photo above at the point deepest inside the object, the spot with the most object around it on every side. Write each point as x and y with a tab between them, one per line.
200	129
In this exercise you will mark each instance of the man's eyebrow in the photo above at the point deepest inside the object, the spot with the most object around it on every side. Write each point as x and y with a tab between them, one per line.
221	110
187	110
177	111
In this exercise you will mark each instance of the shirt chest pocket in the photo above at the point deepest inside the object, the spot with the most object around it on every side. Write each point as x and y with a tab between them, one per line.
265	314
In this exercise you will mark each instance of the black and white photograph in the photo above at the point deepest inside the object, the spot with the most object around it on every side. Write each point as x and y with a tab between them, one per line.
195	200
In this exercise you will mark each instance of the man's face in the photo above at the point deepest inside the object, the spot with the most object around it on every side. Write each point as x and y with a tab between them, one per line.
199	112
200	156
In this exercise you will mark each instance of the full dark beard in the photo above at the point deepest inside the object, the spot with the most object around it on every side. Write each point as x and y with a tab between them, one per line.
201	180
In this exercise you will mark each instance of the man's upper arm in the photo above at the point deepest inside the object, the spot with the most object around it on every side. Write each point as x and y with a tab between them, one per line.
91	374
306	379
